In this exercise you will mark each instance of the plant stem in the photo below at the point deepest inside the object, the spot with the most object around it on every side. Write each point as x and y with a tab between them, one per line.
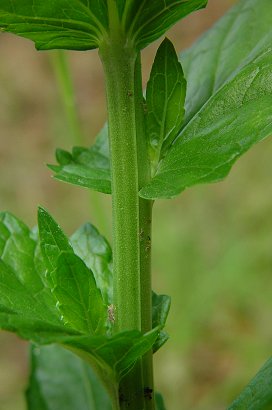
145	215
119	67
65	84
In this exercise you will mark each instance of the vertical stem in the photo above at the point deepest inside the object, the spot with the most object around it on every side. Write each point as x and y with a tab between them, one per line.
145	215
119	66
66	88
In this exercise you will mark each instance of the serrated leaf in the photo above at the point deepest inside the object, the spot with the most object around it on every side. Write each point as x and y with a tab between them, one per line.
67	24
52	240
79	302
257	395
79	299
85	167
235	118
160	309
60	380
238	37
165	97
22	289
146	21
96	252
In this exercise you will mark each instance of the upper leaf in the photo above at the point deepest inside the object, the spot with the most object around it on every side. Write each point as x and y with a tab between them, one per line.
85	167
257	395
146	21
165	97
243	33
60	380
235	117
66	24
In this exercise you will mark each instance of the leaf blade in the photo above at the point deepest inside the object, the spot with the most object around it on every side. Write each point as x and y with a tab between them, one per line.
226	127
147	21
73	24
165	97
62	380
257	395
79	299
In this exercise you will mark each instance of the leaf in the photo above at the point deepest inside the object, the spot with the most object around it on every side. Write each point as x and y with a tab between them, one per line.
160	309
22	290
159	402
66	24
29	308
60	380
115	354
146	21
235	118
52	240
96	252
257	395
89	168
79	299
165	97
242	34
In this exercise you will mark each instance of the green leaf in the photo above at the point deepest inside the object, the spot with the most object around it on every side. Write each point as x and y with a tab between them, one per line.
60	380
146	21
160	309
85	167
257	395
165	97
79	299
235	118
52	240
73	24
22	289
96	252
115	354
243	33
159	402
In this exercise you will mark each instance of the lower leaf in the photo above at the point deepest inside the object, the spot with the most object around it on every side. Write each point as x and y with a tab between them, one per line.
60	380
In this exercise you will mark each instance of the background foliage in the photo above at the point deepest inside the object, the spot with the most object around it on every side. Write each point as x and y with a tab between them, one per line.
212	245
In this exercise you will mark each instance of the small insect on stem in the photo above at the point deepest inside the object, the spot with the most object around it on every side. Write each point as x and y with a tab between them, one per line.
111	313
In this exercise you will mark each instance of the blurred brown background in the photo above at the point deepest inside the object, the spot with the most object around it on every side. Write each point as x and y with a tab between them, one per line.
212	245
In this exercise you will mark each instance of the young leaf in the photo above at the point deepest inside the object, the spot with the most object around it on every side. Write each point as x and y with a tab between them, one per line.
60	380
79	299
96	253
235	118
241	34
165	97
257	395
73	24
146	21
89	168
160	309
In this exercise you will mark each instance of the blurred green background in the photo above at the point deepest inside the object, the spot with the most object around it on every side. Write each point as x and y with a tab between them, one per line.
212	246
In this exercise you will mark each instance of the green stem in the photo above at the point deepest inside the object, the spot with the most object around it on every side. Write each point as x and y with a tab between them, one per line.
145	215
119	66
65	84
